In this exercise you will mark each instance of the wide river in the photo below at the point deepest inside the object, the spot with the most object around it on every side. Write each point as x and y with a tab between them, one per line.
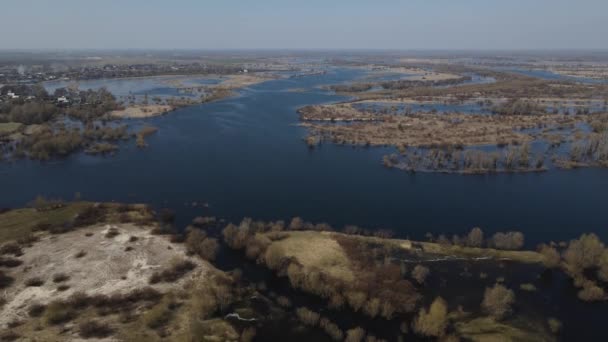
244	156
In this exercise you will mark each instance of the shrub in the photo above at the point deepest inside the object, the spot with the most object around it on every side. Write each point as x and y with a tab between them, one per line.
80	254
508	241
9	262
551	257
475	237
35	281
63	287
95	329
434	321
591	293
91	215
583	253
284	301
79	300
355	335
36	310
5	280
160	314
11	248
554	325
498	301
112	232
331	329
307	316
248	334
198	243
58	312
420	273
602	272
9	335
60	277
177	270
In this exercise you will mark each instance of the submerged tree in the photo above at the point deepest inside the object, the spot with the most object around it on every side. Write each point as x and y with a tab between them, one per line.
498	301
434	321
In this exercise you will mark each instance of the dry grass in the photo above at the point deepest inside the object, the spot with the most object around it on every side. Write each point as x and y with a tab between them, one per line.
315	250
488	330
141	111
434	130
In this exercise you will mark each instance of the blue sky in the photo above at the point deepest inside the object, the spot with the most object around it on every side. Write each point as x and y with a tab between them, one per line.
305	24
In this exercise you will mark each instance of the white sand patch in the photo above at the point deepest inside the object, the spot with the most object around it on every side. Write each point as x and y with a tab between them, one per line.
106	268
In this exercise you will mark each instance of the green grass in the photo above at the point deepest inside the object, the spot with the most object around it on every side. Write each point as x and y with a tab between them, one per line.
19	223
9	128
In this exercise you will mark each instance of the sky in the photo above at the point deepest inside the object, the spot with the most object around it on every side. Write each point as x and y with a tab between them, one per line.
304	24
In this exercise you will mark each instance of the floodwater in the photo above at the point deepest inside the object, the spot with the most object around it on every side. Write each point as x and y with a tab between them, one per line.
244	156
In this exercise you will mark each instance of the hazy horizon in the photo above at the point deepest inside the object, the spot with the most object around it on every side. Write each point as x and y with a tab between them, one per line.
415	25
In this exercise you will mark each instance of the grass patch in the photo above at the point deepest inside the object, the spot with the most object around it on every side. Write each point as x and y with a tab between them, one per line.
177	270
315	250
487	329
9	128
20	223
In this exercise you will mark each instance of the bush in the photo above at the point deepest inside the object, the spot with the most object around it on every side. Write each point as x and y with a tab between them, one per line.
58	312
434	321
420	273
36	310
602	272
112	232
331	329
591	293
198	243
284	301
508	241
63	287
91	215
11	248
9	262
80	254
9	335
177	270
160	314
355	335
475	237
35	281
498	301
95	329
248	334
5	280
551	257
60	277
554	325
307	316
583	253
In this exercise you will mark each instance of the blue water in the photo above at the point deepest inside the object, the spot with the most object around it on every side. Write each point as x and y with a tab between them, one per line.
549	75
245	156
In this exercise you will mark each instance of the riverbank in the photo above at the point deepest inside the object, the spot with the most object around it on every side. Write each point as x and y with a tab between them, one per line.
107	272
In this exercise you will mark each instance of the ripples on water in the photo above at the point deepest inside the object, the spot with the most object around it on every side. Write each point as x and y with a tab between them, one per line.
244	156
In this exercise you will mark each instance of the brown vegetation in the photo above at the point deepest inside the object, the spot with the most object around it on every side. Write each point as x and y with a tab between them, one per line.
498	301
434	321
178	269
